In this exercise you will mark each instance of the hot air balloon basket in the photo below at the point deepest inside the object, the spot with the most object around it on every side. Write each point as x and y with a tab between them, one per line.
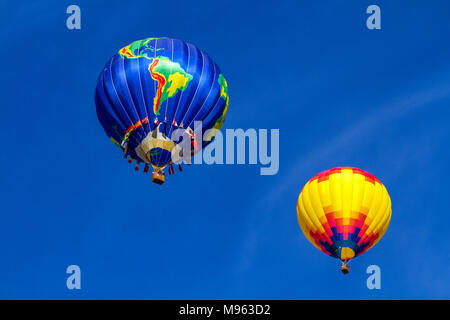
158	178
345	269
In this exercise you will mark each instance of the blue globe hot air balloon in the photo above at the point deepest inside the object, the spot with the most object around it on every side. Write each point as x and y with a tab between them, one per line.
153	87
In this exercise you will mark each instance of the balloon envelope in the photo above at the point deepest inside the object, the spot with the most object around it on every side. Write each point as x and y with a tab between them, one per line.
344	211
153	87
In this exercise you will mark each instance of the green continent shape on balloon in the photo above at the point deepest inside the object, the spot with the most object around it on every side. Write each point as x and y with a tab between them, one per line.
170	77
223	86
139	49
224	95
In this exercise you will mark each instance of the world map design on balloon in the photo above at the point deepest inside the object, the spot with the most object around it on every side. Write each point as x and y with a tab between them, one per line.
169	75
152	88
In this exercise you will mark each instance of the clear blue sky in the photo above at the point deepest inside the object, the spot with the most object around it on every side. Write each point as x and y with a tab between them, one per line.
340	94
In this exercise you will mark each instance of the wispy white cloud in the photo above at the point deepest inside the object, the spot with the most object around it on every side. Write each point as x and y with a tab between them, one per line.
356	134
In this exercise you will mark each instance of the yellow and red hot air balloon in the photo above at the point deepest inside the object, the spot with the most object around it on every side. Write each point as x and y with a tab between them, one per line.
344	212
